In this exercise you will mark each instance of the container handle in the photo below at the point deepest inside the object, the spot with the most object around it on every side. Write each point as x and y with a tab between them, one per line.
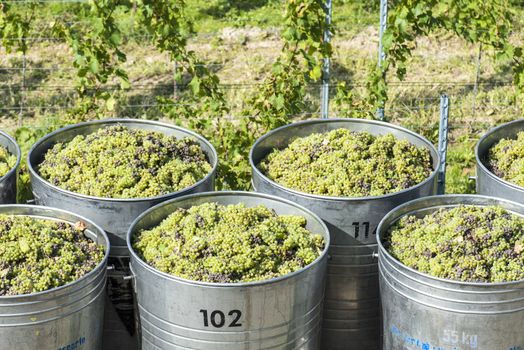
374	255
131	277
36	198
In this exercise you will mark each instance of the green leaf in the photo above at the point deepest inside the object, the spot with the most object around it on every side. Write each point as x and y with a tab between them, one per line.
316	73
110	103
116	38
93	66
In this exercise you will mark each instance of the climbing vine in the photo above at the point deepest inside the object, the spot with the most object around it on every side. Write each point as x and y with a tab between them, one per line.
95	40
281	95
300	63
93	33
283	91
480	22
15	26
202	105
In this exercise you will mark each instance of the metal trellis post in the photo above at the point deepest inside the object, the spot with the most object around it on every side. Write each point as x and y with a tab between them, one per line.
381	54
23	90
477	80
326	63
443	142
175	84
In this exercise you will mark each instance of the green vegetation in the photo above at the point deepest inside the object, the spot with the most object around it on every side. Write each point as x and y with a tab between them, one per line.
39	254
506	159
7	161
231	70
121	162
465	243
211	16
486	23
228	244
344	163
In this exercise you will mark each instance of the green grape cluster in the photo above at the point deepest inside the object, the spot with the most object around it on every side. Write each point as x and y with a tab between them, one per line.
344	163
7	161
464	243
40	254
121	162
228	244
506	159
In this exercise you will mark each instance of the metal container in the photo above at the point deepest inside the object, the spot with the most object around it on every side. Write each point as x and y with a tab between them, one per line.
425	312
351	312
488	183
281	313
67	317
113	215
8	181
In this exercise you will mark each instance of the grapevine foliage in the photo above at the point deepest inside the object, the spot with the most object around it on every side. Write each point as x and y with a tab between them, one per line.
201	106
15	26
488	23
92	32
95	46
281	95
300	63
283	92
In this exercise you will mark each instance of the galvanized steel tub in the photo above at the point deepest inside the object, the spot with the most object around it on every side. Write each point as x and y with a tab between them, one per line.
8	181
68	317
425	312
487	182
351	312
113	215
281	313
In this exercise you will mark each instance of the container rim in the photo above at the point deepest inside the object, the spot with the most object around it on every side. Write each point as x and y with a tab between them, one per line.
333	198
480	162
18	155
33	172
91	273
392	215
135	256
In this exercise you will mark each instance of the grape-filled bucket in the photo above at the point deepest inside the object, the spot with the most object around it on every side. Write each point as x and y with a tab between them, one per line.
113	215
425	312
488	183
279	313
8	181
67	317
351	311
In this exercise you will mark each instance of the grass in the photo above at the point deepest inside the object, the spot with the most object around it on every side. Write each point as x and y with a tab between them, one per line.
212	16
240	40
